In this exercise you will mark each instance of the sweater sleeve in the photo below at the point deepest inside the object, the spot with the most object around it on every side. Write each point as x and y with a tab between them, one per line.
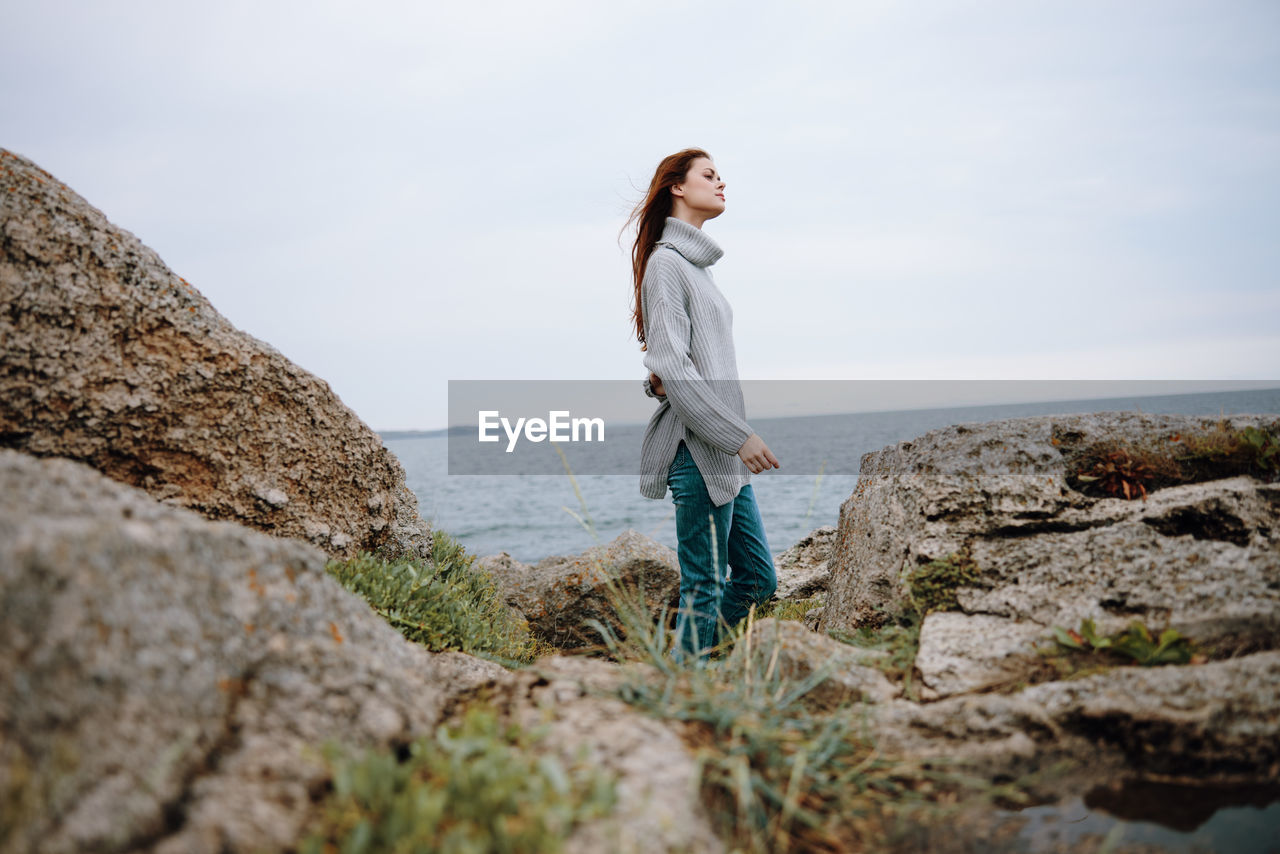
667	330
648	389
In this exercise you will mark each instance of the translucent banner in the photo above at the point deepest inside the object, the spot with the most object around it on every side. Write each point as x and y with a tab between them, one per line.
553	427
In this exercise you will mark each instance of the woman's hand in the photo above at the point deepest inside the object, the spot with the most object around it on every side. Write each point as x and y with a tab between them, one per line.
756	454
655	382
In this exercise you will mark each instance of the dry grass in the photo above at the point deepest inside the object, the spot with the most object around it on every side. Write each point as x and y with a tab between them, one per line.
1134	469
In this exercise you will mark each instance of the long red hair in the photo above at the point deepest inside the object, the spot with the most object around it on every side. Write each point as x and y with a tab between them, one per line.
651	217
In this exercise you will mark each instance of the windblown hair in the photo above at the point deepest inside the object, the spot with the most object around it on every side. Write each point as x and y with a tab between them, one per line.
650	217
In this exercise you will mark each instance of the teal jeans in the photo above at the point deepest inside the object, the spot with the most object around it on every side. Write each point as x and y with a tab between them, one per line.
711	540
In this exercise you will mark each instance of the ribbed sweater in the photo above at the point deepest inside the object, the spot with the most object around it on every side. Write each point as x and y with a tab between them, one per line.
688	328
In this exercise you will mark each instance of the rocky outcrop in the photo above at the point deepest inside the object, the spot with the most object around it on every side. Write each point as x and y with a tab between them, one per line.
1217	719
108	357
560	595
1203	558
166	681
995	509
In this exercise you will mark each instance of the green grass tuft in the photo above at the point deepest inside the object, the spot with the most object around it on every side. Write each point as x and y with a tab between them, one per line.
932	587
445	605
789	609
476	787
779	776
775	774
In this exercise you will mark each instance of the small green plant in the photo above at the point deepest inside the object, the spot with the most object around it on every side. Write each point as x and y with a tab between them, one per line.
445	605
932	586
477	786
1265	447
1136	642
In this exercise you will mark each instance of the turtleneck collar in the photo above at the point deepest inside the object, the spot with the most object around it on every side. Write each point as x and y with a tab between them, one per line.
691	242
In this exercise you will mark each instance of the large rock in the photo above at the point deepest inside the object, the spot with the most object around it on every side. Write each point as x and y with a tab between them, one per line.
1203	558
560	595
1218	719
573	703
166	681
804	570
969	652
1034	553
108	357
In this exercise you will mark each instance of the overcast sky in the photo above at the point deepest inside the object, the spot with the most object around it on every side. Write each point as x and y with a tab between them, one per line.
398	194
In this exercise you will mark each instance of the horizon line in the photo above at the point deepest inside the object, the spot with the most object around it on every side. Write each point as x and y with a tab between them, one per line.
441	430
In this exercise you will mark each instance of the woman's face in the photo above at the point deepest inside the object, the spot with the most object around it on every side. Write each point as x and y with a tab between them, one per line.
702	189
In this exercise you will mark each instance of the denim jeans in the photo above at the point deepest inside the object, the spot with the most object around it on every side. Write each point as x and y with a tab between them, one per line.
711	538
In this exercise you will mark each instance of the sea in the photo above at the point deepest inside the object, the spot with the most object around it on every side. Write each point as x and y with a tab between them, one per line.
531	517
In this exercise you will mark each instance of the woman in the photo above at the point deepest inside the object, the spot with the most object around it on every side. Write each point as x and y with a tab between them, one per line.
698	442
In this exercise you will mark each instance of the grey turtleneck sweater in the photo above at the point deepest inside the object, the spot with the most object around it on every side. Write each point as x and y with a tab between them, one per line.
688	327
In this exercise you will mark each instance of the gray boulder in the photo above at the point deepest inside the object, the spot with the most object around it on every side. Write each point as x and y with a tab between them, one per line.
108	357
1203	558
961	652
804	570
560	595
166	681
572	702
1211	720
